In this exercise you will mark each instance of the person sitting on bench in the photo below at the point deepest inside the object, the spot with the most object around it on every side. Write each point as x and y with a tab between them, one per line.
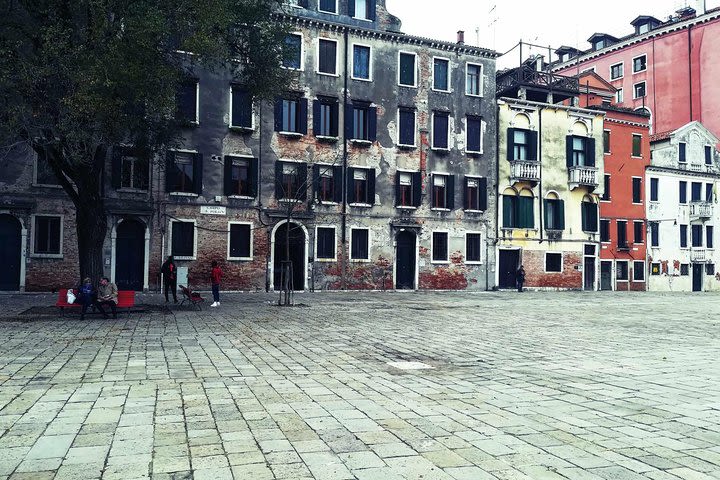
86	296
107	295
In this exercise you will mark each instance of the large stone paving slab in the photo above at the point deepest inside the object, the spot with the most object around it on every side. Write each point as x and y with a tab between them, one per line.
366	386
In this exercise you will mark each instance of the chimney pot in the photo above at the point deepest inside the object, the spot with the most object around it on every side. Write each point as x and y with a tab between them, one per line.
461	37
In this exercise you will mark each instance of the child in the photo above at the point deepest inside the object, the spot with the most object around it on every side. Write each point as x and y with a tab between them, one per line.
215	277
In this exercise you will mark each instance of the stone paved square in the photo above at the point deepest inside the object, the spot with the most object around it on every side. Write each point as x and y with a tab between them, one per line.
521	386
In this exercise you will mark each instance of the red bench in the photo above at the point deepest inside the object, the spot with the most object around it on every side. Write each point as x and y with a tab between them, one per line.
126	299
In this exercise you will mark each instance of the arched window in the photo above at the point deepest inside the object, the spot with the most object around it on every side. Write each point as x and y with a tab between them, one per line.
554	212
589	210
518	209
521	141
580	147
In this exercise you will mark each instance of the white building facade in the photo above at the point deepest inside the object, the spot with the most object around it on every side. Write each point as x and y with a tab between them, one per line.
683	214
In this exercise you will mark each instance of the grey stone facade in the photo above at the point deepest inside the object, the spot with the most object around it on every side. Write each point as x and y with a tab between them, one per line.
420	246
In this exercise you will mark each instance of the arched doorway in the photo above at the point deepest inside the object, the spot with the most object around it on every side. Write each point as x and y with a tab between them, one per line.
10	252
130	255
405	260
294	246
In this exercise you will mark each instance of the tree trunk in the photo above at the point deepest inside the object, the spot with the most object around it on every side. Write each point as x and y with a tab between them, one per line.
91	231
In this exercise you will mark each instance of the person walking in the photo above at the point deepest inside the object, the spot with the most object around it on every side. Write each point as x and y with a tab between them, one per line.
520	278
86	296
215	277
169	273
107	295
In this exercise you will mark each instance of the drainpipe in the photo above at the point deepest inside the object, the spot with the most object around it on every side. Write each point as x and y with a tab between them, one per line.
345	253
689	70
539	153
497	184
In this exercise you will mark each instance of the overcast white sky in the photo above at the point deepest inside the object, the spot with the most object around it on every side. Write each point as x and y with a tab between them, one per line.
544	22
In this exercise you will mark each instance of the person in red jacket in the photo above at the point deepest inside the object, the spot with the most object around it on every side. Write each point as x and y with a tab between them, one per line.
215	276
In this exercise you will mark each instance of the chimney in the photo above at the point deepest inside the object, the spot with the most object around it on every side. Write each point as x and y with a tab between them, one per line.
461	37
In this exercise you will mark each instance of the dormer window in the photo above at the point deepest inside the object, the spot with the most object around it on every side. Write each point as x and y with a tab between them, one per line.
599	44
644	23
601	40
643	28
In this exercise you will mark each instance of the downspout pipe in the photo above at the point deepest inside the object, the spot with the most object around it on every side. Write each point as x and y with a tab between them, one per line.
497	189
540	170
343	228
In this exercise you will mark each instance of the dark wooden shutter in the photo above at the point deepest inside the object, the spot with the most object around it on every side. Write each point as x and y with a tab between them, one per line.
253	176
397	188
371	186
316	181
371	9
228	176
510	142
278	180
351	8
337	184
532	145
334	109
349	121
466	197
116	168
198	173
278	114
590	152
349	173
508	206
372	123
569	151
417	188
482	193
170	171
302	115
303	185
450	188
546	212
316	117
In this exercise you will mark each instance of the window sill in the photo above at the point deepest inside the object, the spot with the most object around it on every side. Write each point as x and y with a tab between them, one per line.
240	259
326	138
178	257
55	256
326	260
623	281
359	260
441	91
402	146
440	149
638	281
360	205
473	152
132	190
240	197
46	185
326	74
440	262
472	210
359	79
407	86
474	95
291	134
636	157
440	209
183	194
360	142
605	201
362	19
590	232
241	129
290	200
472	262
327	203
405	207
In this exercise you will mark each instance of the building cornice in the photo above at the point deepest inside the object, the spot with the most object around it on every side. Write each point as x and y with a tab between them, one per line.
396	37
548	106
636	39
680	171
627	122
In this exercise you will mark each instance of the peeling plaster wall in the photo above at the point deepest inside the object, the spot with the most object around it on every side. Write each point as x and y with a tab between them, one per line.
557	123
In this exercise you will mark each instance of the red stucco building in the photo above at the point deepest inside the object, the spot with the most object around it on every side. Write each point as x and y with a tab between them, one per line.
626	149
668	67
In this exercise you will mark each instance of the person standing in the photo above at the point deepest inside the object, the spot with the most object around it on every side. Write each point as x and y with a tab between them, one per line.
169	273
520	278
107	295
86	296
215	277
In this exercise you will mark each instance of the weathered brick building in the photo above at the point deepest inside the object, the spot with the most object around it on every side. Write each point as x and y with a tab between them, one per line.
380	161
